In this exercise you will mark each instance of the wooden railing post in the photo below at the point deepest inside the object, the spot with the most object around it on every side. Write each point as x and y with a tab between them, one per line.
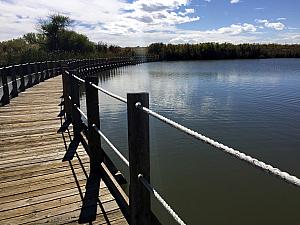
52	69
36	72
29	71
67	93
42	71
5	97
22	72
59	70
76	117
47	70
49	66
139	159
77	66
14	92
94	141
56	68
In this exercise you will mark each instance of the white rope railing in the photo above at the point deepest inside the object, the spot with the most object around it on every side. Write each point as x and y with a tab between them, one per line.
161	200
103	136
101	89
242	156
147	185
81	112
109	93
78	78
111	145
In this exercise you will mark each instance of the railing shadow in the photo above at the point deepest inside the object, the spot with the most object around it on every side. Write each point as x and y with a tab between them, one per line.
90	200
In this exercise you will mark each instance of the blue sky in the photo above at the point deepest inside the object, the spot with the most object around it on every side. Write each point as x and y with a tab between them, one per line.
140	22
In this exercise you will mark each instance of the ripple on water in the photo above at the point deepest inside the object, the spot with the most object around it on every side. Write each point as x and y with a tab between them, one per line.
252	105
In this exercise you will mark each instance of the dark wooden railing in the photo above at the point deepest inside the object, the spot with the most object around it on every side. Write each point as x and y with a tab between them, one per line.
24	76
86	127
137	206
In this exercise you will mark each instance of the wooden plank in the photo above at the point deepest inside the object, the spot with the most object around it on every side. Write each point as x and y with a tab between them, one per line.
6	121
33	208
31	130
114	217
40	170
63	214
36	187
30	187
20	199
29	180
19	140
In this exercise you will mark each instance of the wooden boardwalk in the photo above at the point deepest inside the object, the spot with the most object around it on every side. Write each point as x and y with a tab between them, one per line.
36	186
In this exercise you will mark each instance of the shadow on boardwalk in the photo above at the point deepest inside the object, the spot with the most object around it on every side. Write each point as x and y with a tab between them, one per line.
91	203
36	186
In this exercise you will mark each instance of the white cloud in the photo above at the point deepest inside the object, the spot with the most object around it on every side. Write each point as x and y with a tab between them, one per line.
281	18
207	0
261	21
129	24
92	13
159	13
97	19
187	11
234	1
235	33
273	25
156	5
237	29
288	38
198	37
276	26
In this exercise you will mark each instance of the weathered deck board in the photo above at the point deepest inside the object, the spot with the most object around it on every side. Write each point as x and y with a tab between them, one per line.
36	187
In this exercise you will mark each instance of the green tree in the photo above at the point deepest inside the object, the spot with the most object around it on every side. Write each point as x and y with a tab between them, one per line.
52	27
213	50
34	38
18	50
71	41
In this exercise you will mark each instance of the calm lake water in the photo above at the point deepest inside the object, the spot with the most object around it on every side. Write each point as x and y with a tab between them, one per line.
251	105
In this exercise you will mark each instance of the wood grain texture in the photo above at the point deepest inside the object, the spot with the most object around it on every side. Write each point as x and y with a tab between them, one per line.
36	187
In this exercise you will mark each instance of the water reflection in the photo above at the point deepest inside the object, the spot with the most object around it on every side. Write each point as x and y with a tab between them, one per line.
252	105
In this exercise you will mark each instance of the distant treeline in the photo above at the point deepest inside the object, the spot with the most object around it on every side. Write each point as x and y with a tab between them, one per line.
55	40
20	51
223	51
